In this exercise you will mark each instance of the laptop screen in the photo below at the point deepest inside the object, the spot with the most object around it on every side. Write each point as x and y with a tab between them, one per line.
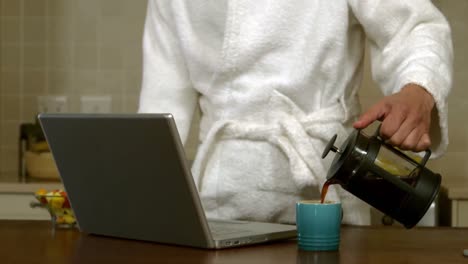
126	176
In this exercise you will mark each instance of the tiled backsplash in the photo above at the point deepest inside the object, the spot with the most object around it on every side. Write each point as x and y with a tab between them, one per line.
93	47
70	48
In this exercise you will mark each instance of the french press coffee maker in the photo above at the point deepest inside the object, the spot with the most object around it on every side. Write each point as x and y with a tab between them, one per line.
384	177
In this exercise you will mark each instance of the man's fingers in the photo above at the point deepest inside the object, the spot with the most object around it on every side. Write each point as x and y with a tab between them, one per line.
376	112
391	124
424	143
412	140
407	129
405	118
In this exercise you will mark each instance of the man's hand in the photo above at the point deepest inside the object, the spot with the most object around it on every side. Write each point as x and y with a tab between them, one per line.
405	116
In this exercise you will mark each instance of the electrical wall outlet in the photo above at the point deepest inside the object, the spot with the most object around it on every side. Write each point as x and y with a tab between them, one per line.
96	104
52	104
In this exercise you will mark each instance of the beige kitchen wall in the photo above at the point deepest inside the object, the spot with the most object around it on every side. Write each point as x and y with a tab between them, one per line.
93	47
72	48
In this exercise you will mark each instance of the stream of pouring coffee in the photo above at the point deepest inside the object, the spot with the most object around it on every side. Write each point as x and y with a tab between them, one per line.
325	190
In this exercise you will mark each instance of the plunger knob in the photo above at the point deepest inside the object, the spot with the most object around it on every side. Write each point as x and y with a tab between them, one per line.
330	146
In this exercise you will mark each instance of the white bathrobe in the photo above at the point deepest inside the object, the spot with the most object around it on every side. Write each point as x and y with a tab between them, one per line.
275	80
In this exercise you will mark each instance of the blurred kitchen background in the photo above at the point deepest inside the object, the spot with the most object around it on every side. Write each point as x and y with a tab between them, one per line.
66	56
85	56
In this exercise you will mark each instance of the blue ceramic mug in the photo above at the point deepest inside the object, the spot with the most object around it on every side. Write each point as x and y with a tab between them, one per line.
318	225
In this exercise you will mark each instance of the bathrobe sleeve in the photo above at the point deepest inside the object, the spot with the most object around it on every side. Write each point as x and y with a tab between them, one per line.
410	42
166	85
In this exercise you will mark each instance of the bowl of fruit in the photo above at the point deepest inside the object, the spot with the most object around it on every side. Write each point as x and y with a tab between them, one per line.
58	205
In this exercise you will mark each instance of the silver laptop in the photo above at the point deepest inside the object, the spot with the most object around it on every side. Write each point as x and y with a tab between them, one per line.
126	176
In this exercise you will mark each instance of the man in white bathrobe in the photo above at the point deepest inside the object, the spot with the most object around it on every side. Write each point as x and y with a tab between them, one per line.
276	79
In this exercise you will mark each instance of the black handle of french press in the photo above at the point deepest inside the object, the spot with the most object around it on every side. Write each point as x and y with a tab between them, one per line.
424	160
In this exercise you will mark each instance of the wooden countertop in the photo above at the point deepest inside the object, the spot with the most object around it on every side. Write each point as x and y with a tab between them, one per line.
33	242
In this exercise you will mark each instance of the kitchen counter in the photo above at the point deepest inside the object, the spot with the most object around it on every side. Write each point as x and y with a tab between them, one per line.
16	199
454	204
456	190
33	242
28	187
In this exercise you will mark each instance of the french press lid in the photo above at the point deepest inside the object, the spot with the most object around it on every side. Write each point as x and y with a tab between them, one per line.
353	144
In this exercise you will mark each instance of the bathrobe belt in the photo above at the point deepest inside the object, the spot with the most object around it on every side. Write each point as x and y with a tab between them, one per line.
300	136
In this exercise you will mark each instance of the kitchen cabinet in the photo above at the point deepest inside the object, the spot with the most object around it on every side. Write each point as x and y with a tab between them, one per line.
454	204
15	200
